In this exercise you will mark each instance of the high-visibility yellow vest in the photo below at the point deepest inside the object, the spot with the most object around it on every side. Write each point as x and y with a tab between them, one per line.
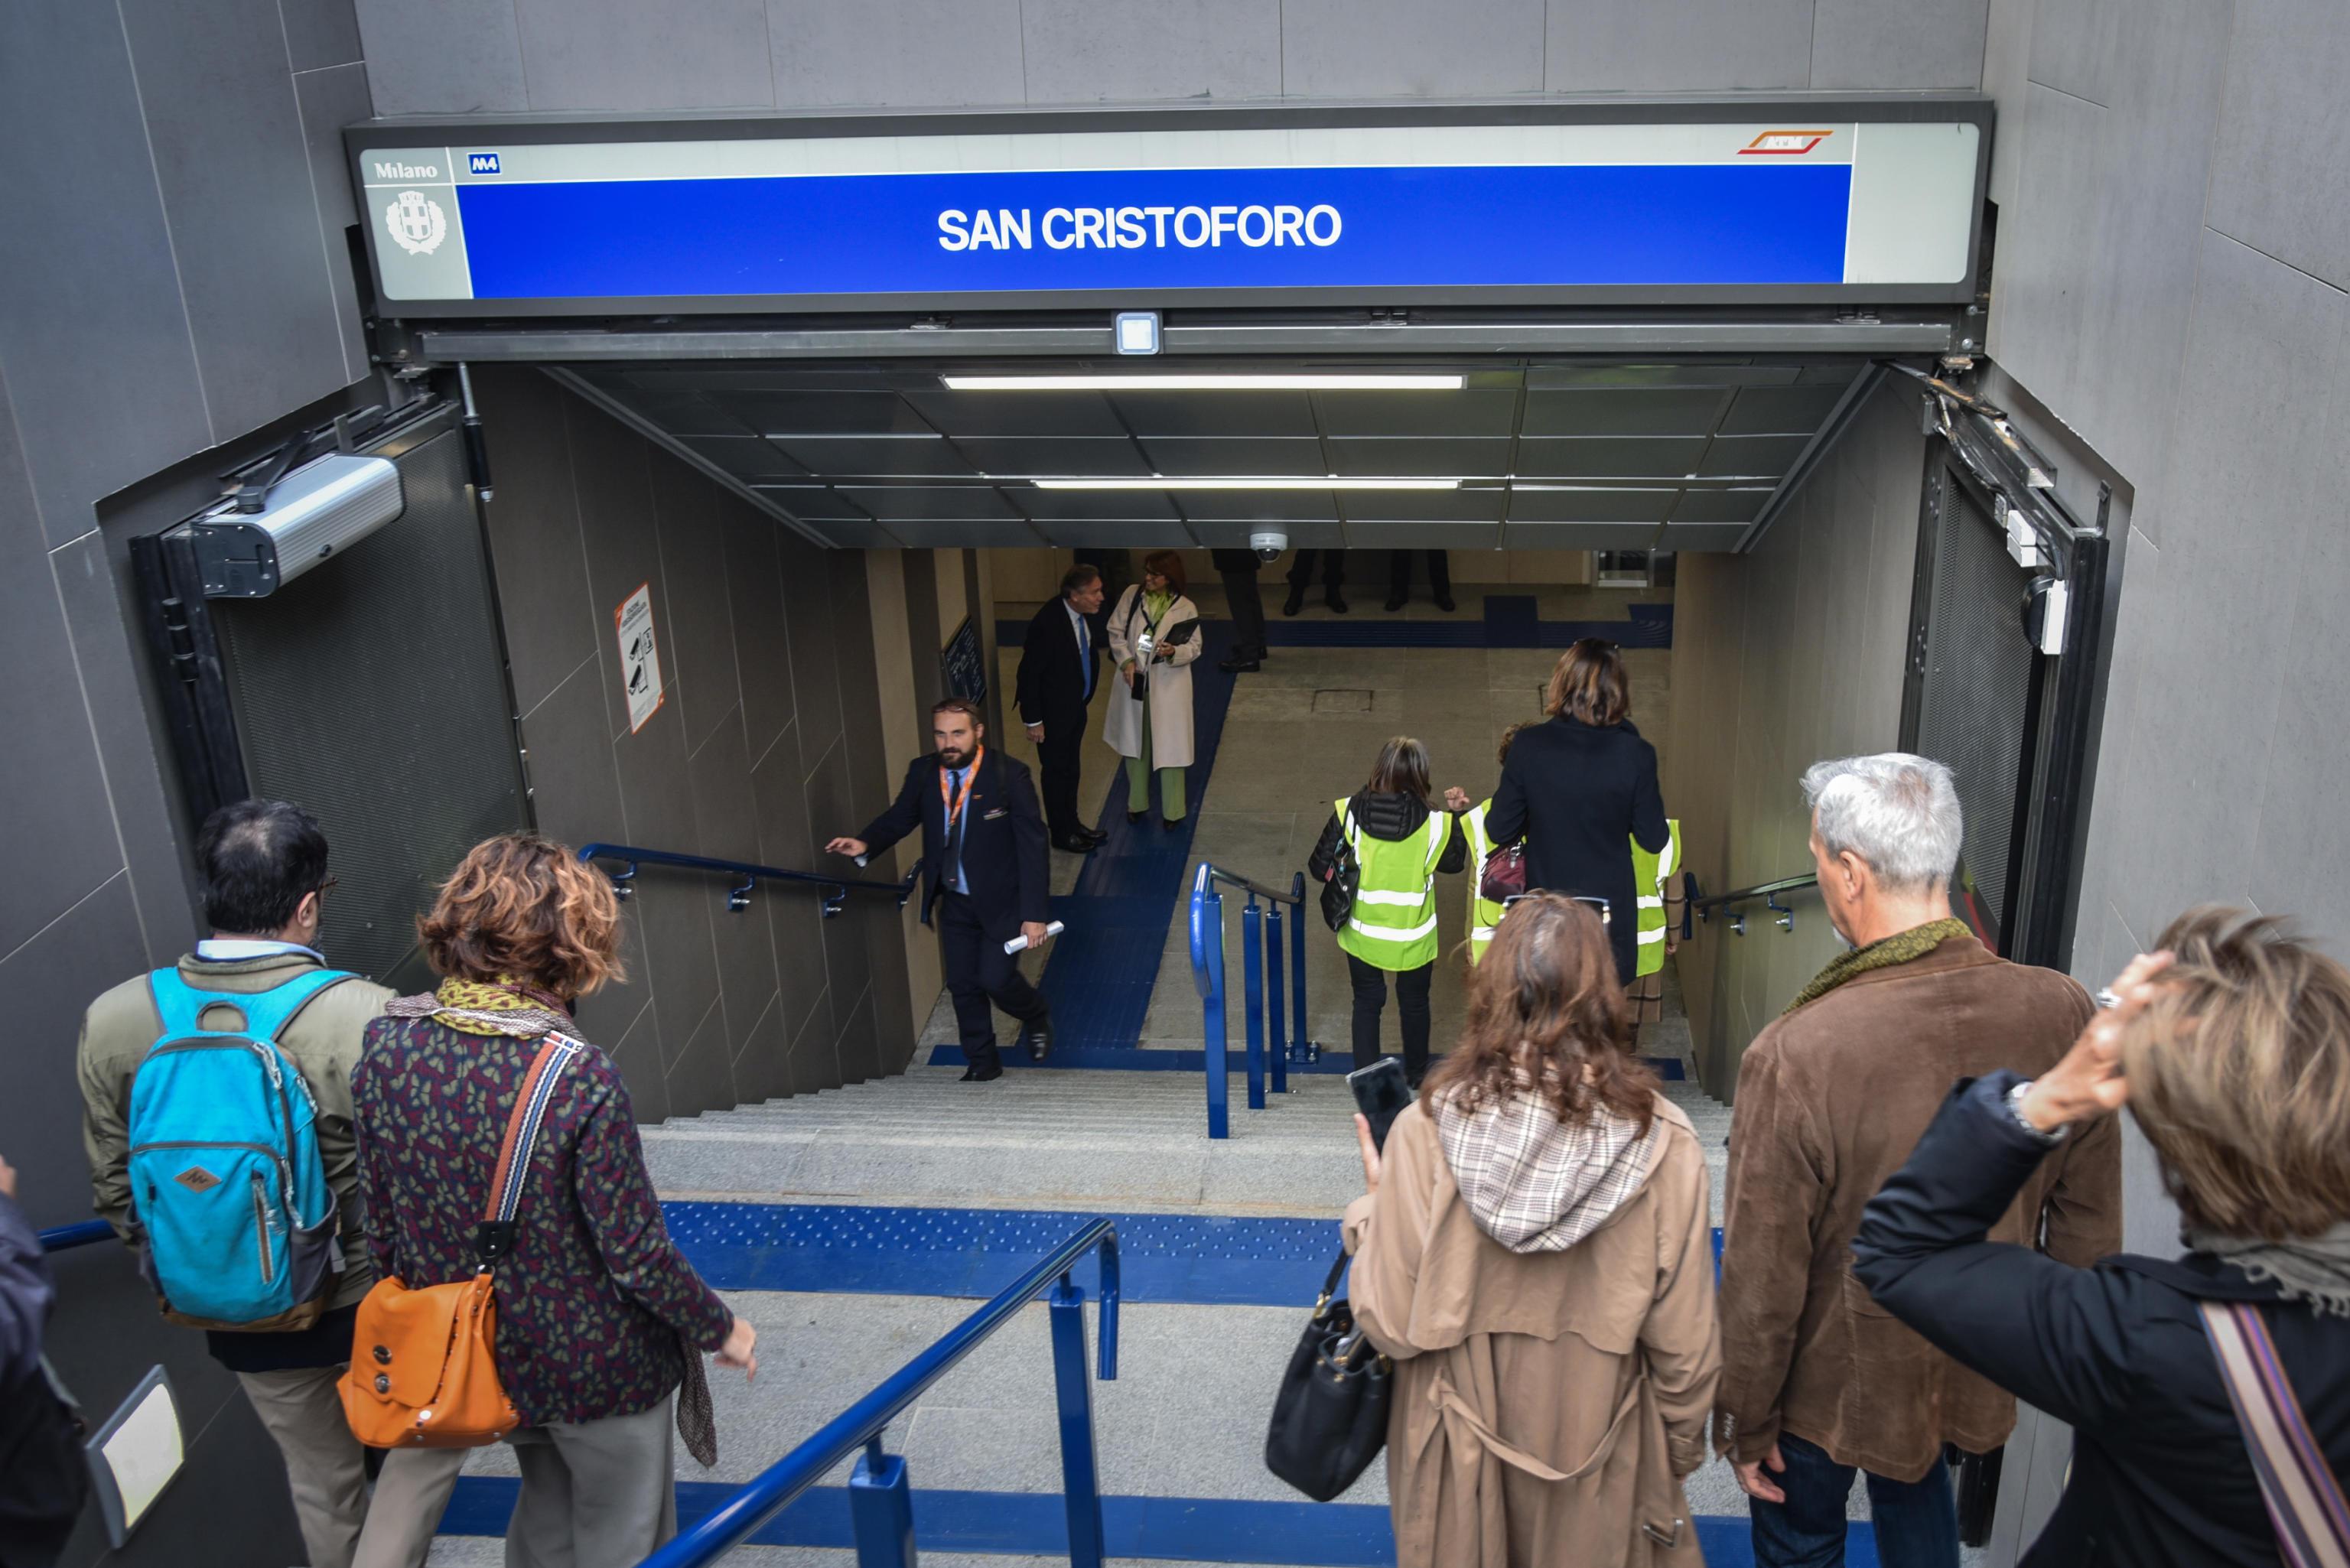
1649	875
1484	913
1393	923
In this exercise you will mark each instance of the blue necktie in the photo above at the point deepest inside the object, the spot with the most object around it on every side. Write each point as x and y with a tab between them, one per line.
1086	656
954	834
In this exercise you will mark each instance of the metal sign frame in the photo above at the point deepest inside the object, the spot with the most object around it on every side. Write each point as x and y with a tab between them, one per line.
1889	109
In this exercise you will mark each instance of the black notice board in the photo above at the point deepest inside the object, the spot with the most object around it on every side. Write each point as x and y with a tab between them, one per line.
964	664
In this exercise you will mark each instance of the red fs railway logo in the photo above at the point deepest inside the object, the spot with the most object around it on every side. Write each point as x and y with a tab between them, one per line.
1783	143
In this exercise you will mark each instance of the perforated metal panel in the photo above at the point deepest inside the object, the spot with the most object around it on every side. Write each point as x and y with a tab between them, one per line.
373	692
1975	703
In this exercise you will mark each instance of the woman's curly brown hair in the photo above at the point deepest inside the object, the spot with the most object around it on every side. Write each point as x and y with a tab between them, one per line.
1545	1004
525	909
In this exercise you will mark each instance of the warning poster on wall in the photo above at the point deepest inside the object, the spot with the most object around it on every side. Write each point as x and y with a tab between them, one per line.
639	657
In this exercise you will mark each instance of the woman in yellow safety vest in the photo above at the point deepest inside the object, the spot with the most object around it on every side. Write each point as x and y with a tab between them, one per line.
1400	843
1484	913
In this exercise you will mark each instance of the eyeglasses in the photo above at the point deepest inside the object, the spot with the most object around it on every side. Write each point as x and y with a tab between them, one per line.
1605	916
324	887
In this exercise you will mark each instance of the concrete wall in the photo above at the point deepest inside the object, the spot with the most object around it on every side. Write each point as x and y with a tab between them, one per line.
1781	657
509	56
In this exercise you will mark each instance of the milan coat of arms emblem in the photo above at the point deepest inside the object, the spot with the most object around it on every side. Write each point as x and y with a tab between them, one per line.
417	223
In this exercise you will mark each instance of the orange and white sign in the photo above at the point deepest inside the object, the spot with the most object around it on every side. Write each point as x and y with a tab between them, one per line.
640	671
1783	143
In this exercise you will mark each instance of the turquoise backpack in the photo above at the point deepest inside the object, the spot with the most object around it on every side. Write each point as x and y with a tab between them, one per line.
236	1222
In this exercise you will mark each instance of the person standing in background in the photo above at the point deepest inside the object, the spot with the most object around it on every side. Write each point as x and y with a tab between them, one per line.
1440	579
1662	892
1059	666
1484	914
43	1476
1246	599
1149	719
1582	790
1301	578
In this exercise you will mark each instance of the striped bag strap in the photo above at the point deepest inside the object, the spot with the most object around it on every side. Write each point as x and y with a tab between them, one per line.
2303	1497
495	1236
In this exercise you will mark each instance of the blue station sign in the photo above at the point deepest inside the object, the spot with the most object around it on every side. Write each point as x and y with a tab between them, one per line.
1794	210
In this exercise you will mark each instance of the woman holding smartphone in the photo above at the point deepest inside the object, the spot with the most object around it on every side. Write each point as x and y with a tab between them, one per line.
1401	842
1535	1254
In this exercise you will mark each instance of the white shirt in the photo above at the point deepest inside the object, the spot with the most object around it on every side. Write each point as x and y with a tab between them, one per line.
229	950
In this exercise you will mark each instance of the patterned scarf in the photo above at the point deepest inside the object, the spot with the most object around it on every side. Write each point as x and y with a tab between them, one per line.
1536	1184
1902	947
503	1006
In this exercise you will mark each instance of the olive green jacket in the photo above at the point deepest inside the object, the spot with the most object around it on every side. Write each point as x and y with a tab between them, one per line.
322	1042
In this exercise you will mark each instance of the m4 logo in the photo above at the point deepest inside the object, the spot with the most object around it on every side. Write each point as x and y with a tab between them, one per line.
481	163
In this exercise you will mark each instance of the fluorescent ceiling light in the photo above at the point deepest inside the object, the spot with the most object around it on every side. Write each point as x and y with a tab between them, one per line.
1268	382
1332	482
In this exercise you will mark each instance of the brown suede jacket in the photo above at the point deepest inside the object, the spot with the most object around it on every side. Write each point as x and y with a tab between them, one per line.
1831	1100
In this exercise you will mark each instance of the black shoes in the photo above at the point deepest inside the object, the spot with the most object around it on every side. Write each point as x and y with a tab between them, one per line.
973	1076
1336	601
1395	602
1444	602
1294	602
1171	824
1076	844
1037	1038
1094	834
1236	665
1136	815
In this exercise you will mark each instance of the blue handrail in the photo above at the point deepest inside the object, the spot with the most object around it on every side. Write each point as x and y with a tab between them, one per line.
81	1235
1261	969
881	1504
738	899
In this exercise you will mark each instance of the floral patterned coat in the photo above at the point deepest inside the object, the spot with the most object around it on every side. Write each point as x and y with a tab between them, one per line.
594	1298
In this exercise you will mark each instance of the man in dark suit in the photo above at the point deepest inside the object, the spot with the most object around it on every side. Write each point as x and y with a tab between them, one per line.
1241	596
983	863
1060	665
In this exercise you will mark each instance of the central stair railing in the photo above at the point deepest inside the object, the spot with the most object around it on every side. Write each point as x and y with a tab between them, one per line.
880	1501
1261	979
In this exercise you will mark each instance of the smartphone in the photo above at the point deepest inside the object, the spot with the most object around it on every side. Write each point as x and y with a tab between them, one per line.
1381	1092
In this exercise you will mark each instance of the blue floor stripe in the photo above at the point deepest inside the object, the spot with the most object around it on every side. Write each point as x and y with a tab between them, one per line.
1172	1529
1509	620
1099	974
855	1248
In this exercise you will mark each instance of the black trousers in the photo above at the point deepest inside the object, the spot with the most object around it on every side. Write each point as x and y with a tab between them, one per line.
1440	572
979	971
1061	755
1334	569
1411	1005
1248	613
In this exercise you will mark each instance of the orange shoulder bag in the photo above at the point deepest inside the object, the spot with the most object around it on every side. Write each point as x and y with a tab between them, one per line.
421	1373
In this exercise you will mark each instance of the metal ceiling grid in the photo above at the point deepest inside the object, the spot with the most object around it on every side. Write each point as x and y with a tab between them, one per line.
1549	455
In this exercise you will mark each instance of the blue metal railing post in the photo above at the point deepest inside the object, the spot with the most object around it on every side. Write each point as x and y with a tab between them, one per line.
1252	986
1277	1049
1297	970
881	1510
1207	954
1080	1484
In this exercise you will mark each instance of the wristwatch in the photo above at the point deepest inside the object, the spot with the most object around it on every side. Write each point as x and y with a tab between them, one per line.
2015	1108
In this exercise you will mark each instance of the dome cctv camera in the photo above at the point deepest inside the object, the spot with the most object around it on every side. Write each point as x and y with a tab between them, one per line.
1268	543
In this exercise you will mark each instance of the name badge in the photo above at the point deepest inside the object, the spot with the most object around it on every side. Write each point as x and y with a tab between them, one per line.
999	811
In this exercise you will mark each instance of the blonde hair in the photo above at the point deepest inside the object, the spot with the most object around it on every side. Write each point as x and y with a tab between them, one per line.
524	908
2239	1076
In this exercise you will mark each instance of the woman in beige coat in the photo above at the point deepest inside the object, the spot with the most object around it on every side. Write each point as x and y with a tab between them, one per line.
1152	729
1536	1255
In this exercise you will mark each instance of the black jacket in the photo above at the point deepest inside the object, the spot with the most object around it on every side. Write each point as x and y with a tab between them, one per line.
2160	1478
1050	689
1392	817
1235	561
43	1479
1578	795
1003	837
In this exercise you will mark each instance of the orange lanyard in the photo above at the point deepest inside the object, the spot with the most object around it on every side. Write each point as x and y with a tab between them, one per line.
970	776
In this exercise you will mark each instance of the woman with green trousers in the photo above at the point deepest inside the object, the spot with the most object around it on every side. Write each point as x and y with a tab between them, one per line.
1149	718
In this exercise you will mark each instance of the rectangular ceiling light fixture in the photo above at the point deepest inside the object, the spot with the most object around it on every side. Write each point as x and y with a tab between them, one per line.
1273	381
1332	482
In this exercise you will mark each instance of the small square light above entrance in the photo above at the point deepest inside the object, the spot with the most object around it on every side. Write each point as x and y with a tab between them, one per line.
1138	331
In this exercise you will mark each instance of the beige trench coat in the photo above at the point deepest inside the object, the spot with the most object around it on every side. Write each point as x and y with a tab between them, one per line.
1170	686
1546	1405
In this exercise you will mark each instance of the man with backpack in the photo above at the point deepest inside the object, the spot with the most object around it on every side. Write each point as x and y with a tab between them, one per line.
217	1105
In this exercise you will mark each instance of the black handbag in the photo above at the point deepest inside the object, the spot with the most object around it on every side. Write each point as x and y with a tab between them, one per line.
1345	880
1330	1418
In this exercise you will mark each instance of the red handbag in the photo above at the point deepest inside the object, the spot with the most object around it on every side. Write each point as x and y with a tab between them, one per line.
1503	876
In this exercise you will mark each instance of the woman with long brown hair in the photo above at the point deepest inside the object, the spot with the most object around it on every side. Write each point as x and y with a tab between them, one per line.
1400	842
600	1320
1581	788
1535	1255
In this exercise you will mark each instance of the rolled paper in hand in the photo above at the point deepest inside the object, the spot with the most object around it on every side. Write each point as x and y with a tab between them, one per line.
1017	943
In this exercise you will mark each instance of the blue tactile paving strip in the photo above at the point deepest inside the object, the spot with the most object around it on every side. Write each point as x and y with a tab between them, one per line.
1509	621
1168	1529
1194	1258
